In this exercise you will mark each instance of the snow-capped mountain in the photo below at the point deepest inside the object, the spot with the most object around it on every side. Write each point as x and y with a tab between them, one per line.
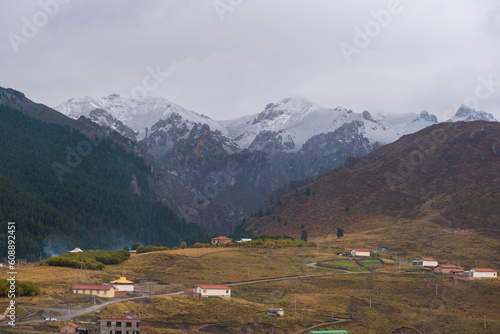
284	126
293	121
228	168
467	114
290	122
137	113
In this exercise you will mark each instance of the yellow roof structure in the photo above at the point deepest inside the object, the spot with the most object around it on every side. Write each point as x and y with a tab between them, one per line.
122	280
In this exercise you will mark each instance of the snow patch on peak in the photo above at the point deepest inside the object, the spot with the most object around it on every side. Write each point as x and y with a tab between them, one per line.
467	114
139	113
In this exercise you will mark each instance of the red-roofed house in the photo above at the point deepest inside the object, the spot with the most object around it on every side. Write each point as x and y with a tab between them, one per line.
72	328
221	240
448	269
483	273
360	252
105	291
69	328
475	273
210	291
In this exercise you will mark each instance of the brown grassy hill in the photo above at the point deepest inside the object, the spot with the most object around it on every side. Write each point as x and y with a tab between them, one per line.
442	180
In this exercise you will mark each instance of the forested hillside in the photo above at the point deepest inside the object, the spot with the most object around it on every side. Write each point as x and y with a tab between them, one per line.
64	190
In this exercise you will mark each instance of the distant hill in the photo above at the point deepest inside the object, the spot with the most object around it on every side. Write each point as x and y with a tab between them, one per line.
446	174
64	189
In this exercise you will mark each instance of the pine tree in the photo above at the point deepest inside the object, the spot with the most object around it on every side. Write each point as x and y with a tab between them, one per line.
304	235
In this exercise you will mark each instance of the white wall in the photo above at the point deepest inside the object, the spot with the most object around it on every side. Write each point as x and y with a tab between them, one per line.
484	274
124	287
355	253
214	292
429	263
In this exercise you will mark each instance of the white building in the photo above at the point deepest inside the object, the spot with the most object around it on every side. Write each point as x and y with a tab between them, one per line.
360	252
212	291
76	250
244	240
123	284
483	273
425	262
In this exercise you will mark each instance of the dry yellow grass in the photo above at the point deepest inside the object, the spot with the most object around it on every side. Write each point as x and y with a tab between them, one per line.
398	299
192	252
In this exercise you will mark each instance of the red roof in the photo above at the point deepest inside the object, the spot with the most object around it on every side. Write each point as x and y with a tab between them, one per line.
221	238
71	324
427	259
361	249
450	266
218	287
92	287
485	270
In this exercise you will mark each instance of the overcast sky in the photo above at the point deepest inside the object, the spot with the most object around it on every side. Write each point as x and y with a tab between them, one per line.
228	58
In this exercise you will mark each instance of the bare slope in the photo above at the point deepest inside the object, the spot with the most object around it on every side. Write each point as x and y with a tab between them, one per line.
445	176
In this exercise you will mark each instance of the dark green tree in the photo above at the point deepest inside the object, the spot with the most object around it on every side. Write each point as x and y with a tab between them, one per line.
340	232
308	191
304	235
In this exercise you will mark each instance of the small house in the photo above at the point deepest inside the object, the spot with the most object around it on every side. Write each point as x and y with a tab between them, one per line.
127	323
221	240
76	250
447	269
483	273
123	284
210	291
277	312
105	291
360	252
72	328
244	240
425	262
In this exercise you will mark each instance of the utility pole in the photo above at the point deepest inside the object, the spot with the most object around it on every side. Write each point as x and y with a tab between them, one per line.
485	321
332	315
40	256
436	289
370	301
248	271
295	306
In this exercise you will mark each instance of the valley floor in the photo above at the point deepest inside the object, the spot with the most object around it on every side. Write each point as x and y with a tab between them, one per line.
382	300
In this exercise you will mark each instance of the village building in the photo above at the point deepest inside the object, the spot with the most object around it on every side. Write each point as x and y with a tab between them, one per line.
72	328
447	269
221	240
244	240
360	252
425	262
76	250
483	273
277	312
210	291
476	273
123	285
127	323
105	291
